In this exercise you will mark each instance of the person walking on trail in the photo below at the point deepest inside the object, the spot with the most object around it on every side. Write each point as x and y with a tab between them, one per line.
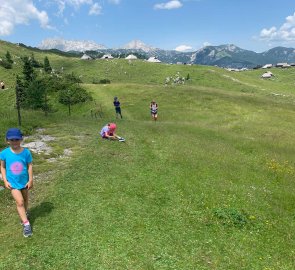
117	107
154	110
17	174
108	132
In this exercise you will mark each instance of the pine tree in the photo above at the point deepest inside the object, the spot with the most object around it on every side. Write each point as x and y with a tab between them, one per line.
28	71
8	57
7	62
47	67
34	62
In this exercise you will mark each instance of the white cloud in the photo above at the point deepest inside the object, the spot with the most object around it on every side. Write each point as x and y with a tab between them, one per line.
169	5
205	44
6	27
268	33
16	12
95	9
183	48
285	33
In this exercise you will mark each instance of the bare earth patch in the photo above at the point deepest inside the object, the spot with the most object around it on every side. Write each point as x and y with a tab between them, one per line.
39	145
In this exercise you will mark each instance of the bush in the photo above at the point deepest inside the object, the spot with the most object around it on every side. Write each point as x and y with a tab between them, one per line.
6	64
231	217
104	81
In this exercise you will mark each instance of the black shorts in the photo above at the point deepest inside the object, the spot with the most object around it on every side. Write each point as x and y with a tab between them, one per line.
118	109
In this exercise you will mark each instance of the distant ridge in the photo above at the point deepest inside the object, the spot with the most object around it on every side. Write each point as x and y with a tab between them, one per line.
70	45
227	55
138	45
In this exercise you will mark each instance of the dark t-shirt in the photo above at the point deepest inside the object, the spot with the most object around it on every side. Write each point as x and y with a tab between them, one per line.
117	103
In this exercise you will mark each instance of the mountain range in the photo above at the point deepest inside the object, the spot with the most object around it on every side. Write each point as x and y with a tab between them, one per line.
227	55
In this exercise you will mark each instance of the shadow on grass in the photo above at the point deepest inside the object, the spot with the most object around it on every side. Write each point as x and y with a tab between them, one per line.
41	210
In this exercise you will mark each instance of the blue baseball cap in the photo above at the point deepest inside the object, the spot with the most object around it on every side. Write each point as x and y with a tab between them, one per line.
14	133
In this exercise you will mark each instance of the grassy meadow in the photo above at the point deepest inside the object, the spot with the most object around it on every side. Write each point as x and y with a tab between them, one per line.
208	186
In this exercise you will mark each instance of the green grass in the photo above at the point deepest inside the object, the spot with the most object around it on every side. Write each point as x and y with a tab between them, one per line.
209	186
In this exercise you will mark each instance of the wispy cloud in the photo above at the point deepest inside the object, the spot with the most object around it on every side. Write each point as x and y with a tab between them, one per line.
183	48
169	5
284	33
76	4
73	3
116	2
16	12
95	9
206	43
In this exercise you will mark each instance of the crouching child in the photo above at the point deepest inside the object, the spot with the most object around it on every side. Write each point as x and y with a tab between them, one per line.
109	132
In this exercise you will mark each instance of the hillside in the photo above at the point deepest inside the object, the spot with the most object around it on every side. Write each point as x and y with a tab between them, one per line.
209	186
123	71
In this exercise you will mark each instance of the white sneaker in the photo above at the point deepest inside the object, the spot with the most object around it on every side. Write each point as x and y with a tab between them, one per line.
27	230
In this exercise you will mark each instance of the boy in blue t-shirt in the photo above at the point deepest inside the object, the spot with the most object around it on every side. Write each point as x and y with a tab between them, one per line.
117	107
17	174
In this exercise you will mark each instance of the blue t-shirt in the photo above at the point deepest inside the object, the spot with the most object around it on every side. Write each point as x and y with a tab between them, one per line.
16	167
117	103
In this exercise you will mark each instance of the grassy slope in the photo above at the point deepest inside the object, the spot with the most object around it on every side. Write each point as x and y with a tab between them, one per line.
210	186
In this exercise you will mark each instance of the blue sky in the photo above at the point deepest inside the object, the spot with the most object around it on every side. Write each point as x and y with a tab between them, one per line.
256	25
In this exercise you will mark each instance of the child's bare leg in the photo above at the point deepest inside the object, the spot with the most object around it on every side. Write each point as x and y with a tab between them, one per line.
20	204
25	194
113	138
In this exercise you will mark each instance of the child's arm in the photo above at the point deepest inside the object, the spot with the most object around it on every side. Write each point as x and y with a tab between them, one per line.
29	185
3	172
117	136
112	137
107	135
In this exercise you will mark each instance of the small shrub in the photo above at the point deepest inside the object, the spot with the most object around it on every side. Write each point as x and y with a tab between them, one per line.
231	217
104	81
6	64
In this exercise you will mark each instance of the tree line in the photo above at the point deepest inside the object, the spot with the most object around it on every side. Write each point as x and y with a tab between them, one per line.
38	90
